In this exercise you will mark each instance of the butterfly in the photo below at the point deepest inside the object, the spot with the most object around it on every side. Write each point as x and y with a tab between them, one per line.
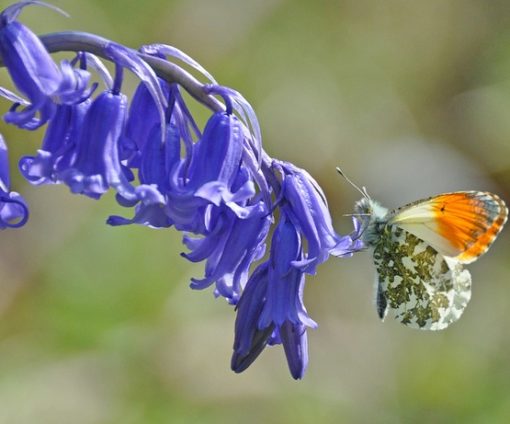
420	249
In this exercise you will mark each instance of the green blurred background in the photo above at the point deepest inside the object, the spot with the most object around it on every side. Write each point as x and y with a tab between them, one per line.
98	325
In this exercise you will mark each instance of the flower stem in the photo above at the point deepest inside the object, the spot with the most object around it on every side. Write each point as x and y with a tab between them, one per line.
77	41
82	41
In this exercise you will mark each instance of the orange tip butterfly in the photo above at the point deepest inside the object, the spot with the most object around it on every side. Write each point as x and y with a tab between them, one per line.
419	251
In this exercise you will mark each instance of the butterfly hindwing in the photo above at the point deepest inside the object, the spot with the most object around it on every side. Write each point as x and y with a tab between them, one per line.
416	283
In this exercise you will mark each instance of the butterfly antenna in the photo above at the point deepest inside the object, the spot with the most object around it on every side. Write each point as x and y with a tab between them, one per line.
362	190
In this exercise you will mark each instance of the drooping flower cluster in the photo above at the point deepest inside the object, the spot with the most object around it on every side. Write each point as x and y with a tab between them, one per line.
217	186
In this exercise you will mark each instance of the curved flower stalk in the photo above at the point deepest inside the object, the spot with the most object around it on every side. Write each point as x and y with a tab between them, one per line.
216	185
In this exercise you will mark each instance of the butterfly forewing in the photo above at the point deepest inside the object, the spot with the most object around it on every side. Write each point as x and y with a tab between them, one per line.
461	225
415	282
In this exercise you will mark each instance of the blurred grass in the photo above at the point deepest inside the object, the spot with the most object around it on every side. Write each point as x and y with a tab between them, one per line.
410	98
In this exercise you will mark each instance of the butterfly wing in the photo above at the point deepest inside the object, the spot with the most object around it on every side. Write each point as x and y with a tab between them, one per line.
461	225
415	282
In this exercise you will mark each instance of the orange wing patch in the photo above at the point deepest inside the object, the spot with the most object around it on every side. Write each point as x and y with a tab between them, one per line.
469	220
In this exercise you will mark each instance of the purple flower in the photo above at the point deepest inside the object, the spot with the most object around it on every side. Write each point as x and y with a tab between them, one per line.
13	208
230	248
215	197
143	116
250	340
129	59
34	72
308	210
286	281
58	146
156	161
272	305
214	167
96	166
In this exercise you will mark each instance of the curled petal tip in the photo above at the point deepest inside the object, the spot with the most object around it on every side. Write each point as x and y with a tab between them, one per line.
12	97
11	12
13	211
166	50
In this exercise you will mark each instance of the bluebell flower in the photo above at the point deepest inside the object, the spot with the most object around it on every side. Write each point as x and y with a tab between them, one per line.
209	192
272	305
34	72
230	248
96	166
308	209
58	147
286	281
250	340
13	208
156	161
129	59
209	179
143	116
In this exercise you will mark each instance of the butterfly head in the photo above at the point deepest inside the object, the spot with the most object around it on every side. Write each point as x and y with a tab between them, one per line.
366	207
372	217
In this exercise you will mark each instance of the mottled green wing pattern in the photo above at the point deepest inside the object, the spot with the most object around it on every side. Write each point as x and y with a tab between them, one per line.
419	286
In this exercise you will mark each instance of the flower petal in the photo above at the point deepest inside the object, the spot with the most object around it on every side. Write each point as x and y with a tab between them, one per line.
10	13
295	344
96	166
129	59
249	340
164	49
